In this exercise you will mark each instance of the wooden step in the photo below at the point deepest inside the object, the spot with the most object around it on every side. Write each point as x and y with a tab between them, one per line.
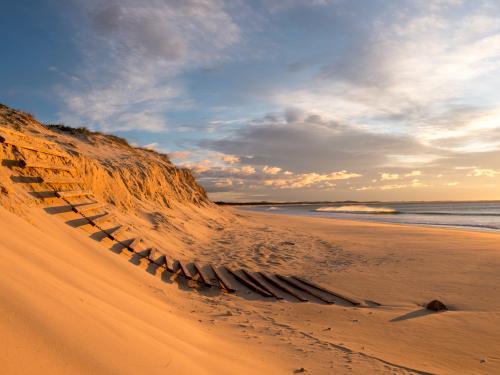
204	277
257	282
115	231
24	164
335	294
179	266
248	283
89	207
134	243
282	287
223	281
10	141
157	257
296	285
94	220
9	133
61	181
73	193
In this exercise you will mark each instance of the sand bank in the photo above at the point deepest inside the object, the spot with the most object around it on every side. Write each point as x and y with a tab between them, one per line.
71	305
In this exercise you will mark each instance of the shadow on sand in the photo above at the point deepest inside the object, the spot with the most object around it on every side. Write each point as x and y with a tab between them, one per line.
413	315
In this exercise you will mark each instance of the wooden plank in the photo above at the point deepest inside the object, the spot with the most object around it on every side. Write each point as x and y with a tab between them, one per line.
73	193
114	233
135	242
161	261
248	283
12	142
24	164
203	276
261	285
61	181
179	268
175	274
94	220
15	133
318	287
294	283
185	271
282	287
89	207
222	280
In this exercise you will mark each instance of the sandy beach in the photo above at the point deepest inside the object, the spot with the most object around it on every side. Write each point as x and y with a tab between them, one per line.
79	298
71	305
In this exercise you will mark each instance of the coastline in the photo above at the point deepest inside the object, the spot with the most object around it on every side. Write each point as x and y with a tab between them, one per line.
400	267
463	227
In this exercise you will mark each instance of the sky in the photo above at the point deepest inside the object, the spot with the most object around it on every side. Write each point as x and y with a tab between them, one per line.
275	99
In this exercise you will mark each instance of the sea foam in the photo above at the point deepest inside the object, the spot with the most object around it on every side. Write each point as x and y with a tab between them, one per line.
358	210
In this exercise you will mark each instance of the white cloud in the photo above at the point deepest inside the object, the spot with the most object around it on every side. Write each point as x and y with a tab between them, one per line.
308	180
133	52
477	172
413	174
391	86
271	170
179	154
230	159
389	176
151	146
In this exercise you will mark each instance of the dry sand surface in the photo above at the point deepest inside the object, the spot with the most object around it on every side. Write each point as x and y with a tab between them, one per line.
69	305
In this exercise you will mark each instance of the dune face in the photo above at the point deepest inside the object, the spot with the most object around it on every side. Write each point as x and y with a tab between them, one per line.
75	301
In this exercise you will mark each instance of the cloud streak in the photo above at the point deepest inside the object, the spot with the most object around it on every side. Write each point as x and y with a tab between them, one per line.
133	54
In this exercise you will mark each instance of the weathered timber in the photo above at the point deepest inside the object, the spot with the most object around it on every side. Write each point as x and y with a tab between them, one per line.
204	278
279	285
73	194
15	133
248	283
9	141
261	285
24	164
223	281
318	287
184	270
296	285
132	246
61	181
95	220
115	231
88	207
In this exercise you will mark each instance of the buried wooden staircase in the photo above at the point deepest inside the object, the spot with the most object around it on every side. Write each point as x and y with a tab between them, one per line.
92	212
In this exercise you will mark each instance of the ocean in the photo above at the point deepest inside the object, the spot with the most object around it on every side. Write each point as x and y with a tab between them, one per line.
484	216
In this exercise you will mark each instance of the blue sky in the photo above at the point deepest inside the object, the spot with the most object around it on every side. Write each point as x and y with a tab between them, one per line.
290	99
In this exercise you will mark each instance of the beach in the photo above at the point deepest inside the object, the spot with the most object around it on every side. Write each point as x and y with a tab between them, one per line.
102	314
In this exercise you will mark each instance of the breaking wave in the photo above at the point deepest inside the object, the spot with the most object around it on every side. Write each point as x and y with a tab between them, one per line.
358	210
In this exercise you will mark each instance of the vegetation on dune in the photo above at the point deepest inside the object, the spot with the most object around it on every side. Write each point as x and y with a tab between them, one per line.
87	133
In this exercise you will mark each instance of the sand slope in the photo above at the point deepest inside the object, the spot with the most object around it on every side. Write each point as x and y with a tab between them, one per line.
68	306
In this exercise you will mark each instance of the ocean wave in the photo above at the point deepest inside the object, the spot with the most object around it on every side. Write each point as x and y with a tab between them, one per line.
274	208
358	210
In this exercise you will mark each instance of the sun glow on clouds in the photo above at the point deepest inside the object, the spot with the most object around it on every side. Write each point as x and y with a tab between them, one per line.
379	116
310	180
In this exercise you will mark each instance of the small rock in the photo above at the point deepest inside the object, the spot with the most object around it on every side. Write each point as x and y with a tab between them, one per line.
229	313
299	370
483	360
436	305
